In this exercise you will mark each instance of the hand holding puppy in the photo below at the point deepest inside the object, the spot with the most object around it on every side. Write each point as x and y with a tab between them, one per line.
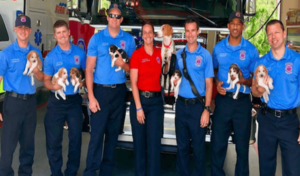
221	89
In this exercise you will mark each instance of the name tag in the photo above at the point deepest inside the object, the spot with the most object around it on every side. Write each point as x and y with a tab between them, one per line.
58	63
145	60
15	60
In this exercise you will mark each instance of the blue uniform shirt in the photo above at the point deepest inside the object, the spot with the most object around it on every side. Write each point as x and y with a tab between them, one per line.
99	47
286	79
12	65
244	55
199	65
58	58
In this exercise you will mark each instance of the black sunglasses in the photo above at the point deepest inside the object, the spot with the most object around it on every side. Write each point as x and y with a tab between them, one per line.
115	16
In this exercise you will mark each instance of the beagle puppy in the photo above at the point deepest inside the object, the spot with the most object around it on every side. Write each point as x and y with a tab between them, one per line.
176	76
61	77
33	60
167	49
233	78
260	73
76	78
113	52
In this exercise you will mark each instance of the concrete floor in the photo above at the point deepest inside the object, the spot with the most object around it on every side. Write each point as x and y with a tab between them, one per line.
124	158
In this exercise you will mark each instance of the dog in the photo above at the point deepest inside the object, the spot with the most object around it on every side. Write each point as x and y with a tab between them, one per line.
61	77
176	76
167	49
260	73
33	60
233	78
76	78
112	52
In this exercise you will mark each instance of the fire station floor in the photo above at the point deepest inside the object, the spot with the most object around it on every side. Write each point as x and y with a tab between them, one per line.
124	164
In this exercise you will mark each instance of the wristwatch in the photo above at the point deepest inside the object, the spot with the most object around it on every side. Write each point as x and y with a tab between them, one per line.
208	108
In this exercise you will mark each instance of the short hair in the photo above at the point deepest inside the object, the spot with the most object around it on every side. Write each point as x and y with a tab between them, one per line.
272	22
192	20
147	23
60	23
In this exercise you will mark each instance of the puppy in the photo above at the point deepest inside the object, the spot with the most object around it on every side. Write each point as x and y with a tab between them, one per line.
167	49
176	76
233	78
112	52
76	78
33	60
260	73
61	77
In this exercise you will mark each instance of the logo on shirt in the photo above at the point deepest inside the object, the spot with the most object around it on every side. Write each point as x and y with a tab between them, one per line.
58	63
123	44
104	44
15	60
158	60
76	59
198	61
242	55
288	68
145	60
223	54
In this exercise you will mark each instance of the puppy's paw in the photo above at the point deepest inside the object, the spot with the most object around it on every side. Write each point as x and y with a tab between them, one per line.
271	86
24	73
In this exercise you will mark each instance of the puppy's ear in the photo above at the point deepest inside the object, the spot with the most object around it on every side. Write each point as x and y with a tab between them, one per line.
169	30
266	70
29	55
60	72
256	71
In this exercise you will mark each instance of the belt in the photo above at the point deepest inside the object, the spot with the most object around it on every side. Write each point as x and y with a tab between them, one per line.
67	96
240	95
149	94
190	101
16	95
108	85
281	113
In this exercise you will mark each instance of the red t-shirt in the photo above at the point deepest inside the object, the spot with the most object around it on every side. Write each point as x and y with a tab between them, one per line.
149	69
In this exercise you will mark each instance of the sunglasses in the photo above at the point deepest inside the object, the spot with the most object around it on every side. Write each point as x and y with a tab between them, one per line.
115	16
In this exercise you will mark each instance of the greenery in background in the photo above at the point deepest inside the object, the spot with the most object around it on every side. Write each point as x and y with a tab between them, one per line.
264	8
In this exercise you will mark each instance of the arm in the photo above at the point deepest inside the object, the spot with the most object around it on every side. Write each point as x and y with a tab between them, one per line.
246	82
38	74
83	83
120	63
1	119
90	65
48	84
135	92
219	84
208	94
257	91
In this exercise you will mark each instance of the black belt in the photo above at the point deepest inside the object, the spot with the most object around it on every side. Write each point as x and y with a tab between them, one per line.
149	94
281	113
108	85
16	95
190	101
240	95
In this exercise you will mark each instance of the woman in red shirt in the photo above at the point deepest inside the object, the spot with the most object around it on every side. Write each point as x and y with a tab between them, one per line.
146	108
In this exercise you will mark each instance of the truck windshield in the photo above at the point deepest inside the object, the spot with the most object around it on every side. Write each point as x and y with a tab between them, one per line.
173	12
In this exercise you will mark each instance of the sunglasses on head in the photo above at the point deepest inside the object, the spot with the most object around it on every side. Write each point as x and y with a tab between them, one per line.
115	16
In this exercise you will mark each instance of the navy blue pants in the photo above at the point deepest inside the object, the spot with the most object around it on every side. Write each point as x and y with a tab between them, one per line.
147	137
187	125
283	131
19	122
105	122
231	115
59	112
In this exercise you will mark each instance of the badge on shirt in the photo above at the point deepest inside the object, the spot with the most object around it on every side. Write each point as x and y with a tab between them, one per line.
15	60
58	63
123	44
289	68
242	55
76	59
198	61
158	60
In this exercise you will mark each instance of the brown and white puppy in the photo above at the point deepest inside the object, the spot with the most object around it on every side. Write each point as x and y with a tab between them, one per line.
233	78
76	78
61	77
176	76
167	49
260	73
113	52
33	60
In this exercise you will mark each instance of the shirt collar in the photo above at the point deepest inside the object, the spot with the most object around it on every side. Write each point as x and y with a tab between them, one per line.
234	48
107	34
59	50
285	56
197	50
18	48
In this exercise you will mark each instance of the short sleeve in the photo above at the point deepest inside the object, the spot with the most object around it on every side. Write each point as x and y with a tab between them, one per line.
209	71
254	59
131	47
48	66
215	59
134	60
3	63
92	48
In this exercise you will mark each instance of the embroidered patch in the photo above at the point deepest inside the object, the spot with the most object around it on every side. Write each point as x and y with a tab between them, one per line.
23	19
145	60
289	68
198	61
58	63
123	44
242	55
238	14
15	60
158	60
76	59
223	54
